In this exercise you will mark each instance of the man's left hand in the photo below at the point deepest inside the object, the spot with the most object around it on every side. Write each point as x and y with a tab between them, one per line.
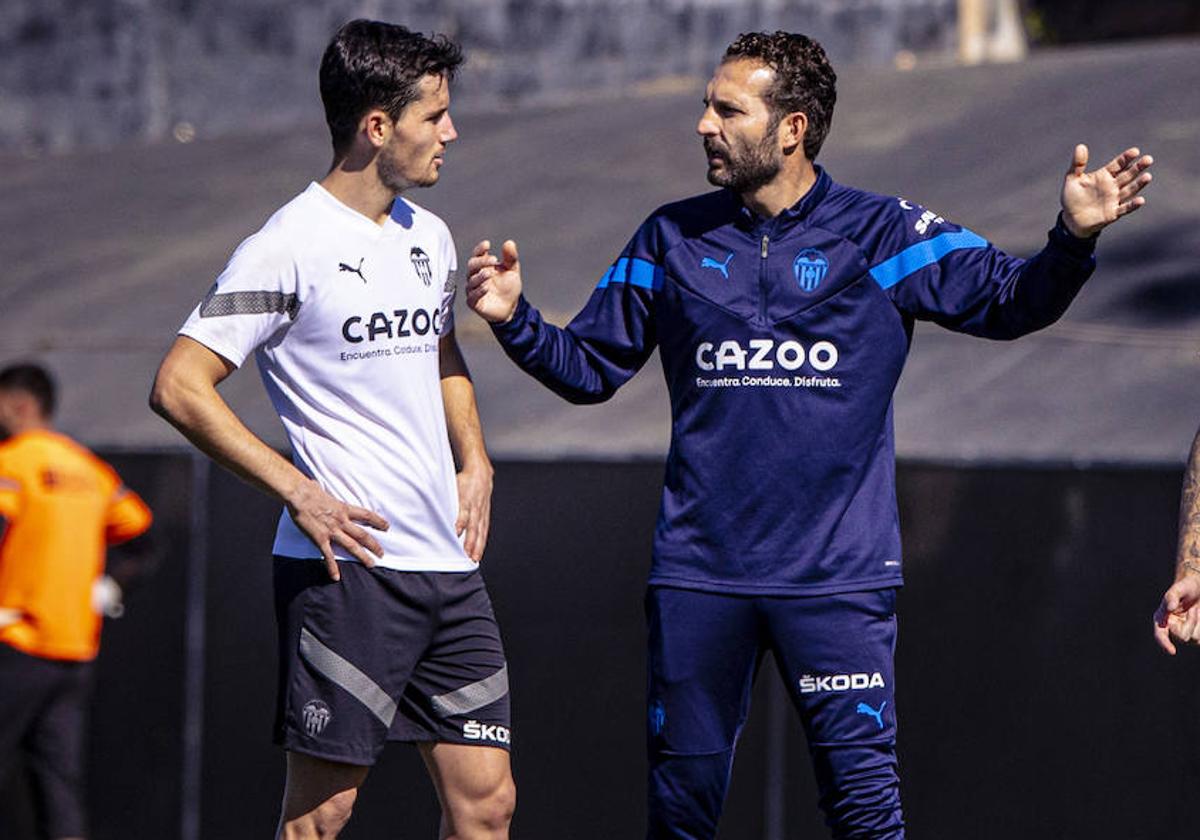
1091	201
474	509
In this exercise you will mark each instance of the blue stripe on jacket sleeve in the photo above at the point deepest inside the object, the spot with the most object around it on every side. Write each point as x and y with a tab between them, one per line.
915	257
641	273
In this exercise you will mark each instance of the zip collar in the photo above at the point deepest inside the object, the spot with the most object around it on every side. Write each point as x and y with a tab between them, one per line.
748	220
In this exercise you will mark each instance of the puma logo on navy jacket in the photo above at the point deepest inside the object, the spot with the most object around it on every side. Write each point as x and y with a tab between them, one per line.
782	341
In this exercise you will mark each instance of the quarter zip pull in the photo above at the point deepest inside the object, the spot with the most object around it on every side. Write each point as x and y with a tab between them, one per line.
762	280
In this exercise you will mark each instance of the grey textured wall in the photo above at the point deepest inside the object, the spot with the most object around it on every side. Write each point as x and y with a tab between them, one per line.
98	72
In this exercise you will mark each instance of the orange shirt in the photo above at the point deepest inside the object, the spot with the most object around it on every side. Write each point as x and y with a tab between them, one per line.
62	506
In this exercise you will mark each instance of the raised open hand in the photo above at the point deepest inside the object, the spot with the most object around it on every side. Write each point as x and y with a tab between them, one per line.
1091	201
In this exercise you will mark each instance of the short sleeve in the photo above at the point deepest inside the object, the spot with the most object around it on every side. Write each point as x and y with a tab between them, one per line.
254	298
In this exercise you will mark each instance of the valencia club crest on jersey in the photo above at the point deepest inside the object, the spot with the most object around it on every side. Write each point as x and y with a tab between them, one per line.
810	267
421	265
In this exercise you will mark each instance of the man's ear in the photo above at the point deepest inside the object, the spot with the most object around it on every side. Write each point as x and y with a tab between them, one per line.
792	129
377	127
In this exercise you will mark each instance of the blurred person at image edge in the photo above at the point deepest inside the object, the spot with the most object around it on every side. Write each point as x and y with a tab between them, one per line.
60	507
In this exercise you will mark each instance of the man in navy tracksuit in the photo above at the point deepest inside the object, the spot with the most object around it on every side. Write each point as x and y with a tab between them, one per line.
783	306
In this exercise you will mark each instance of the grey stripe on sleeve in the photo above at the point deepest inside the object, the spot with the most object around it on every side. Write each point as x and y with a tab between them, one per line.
474	696
249	303
342	673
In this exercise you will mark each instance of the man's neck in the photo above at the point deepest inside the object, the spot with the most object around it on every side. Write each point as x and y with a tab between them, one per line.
360	190
788	187
20	427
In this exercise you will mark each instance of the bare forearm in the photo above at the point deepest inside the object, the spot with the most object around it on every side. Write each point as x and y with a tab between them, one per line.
192	405
466	440
462	423
462	414
185	393
1188	553
217	432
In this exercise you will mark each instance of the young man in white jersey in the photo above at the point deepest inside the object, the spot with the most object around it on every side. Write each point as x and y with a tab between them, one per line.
345	296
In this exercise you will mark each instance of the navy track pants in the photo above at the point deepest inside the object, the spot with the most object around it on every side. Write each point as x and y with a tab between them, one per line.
835	654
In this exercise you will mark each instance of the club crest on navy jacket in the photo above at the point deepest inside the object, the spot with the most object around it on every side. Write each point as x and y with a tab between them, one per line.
782	341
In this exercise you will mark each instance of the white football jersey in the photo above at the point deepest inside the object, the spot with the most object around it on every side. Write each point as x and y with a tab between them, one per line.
344	317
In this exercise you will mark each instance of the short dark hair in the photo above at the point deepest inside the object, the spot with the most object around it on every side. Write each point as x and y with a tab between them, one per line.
32	379
371	64
804	79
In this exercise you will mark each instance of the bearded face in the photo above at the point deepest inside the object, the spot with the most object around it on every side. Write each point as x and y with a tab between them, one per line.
743	163
740	129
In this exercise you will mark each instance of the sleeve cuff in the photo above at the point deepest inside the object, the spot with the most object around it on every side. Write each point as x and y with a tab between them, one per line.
1071	243
227	352
516	323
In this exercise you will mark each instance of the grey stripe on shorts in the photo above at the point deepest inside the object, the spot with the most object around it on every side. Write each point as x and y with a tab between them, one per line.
474	696
342	673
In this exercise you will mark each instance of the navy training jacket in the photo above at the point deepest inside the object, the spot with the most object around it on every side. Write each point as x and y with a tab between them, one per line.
782	341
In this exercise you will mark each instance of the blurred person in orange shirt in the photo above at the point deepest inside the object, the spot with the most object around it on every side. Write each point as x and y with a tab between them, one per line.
60	508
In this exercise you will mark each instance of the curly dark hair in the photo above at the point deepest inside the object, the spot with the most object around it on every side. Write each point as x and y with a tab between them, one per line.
33	379
371	64
804	79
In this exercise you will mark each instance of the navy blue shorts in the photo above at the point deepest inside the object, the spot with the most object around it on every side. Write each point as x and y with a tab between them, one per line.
384	655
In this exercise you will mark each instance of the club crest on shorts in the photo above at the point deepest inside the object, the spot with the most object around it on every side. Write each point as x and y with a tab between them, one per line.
810	267
421	264
316	717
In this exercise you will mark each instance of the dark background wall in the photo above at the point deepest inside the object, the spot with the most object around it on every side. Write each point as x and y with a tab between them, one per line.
1083	21
1033	703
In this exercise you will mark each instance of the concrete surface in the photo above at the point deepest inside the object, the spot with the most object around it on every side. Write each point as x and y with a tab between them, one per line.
106	252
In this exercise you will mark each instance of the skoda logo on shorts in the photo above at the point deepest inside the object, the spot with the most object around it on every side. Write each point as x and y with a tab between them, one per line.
316	717
420	261
810	267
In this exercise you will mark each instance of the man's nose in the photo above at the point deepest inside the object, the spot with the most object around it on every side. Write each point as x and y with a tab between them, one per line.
707	126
